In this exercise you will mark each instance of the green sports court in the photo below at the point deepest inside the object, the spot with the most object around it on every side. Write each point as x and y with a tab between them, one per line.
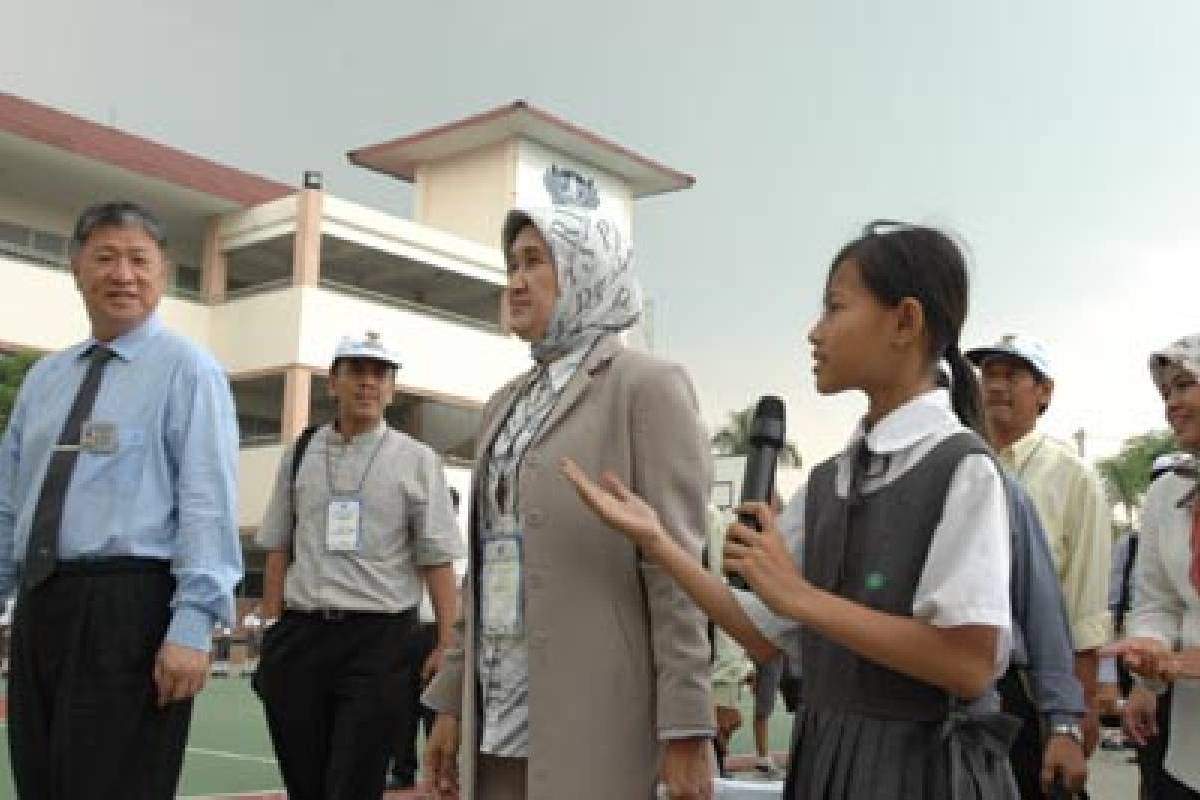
229	752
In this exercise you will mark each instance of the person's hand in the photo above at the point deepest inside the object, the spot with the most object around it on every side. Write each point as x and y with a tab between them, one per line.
1064	759
623	510
1138	718
1090	725
1108	699
764	560
728	721
433	663
1143	656
688	768
1186	663
179	672
441	756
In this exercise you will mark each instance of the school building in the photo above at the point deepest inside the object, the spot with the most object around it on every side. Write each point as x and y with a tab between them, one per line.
268	275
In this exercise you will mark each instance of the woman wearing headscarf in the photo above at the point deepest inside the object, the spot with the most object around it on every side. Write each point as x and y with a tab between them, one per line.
584	670
1164	624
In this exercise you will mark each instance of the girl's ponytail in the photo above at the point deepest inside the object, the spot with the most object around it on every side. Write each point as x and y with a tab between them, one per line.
964	390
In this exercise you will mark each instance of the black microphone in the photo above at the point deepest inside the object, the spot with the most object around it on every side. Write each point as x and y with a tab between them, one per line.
766	440
1059	791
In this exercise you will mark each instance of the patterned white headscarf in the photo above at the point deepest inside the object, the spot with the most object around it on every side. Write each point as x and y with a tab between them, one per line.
593	261
1183	353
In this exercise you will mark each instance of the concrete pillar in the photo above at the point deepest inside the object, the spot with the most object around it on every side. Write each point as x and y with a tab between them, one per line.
306	252
214	267
297	396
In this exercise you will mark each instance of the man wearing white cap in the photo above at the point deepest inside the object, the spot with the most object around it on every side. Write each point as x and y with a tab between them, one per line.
1018	382
366	523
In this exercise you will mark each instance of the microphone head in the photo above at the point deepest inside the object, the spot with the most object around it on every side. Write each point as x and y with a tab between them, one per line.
768	426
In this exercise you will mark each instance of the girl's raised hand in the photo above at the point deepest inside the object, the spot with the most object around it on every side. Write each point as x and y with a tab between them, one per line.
764	560
615	504
1144	656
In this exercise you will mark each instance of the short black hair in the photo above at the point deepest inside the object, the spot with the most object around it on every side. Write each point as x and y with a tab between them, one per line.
117	214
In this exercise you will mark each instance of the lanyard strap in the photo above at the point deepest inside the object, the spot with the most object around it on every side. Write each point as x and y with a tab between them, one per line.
333	492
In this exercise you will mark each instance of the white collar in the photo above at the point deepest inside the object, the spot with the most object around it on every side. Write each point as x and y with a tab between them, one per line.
928	414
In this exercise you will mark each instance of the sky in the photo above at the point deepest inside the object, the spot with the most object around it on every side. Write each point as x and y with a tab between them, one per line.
1060	141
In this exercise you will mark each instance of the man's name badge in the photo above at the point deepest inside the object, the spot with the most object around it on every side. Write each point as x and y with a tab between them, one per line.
500	582
343	524
98	438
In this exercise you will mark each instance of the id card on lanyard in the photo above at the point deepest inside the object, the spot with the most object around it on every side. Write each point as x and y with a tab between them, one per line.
500	580
344	511
343	525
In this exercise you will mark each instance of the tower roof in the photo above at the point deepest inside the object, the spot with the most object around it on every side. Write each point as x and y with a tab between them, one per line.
519	119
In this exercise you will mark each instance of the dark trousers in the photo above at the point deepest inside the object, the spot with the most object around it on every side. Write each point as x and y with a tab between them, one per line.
414	714
1028	748
83	718
332	691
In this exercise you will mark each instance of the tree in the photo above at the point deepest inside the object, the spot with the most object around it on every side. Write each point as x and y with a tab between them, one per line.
1127	474
12	372
734	439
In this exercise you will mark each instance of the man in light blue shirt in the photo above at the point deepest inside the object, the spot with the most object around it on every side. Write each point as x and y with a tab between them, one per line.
118	531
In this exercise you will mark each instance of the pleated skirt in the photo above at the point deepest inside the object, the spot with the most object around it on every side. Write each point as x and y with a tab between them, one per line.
841	755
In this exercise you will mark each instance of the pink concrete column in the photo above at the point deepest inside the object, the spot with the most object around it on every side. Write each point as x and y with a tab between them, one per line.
214	267
297	394
306	252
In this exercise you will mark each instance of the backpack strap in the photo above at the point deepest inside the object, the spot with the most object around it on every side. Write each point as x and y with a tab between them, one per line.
302	443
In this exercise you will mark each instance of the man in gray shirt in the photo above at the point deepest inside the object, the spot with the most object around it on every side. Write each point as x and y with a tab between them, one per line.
368	524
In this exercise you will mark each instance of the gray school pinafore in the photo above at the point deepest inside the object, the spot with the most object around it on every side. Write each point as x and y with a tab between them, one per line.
865	732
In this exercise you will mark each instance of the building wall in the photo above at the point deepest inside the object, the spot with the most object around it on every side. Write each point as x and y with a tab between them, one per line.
379	231
257	468
257	332
534	159
33	215
251	225
440	357
468	194
39	306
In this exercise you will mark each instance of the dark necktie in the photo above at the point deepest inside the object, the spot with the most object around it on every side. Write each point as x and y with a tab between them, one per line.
860	464
858	473
42	554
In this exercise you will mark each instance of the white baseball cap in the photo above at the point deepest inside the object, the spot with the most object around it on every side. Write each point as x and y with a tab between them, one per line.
368	345
1168	462
1015	345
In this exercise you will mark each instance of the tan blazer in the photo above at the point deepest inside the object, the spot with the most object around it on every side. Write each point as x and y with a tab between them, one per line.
618	654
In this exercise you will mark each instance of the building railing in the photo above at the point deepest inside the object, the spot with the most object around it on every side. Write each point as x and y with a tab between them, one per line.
44	260
409	305
247	440
258	288
36	257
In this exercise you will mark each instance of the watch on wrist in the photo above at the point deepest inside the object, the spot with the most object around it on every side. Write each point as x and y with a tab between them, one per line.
1071	729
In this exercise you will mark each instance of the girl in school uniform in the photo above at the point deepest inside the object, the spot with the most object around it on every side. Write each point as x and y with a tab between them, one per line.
890	568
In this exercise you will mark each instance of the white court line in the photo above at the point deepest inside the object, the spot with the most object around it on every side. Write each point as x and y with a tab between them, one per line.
258	793
226	754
